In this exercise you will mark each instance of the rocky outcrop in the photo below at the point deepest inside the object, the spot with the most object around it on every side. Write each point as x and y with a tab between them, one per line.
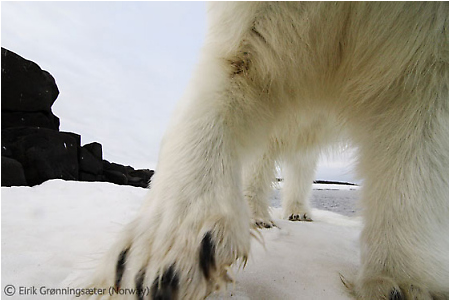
25	86
12	172
33	148
43	153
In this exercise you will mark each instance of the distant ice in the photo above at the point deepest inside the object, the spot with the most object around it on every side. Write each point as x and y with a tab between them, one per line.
342	199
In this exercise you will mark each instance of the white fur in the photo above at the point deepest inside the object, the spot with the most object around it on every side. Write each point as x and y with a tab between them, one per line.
296	147
303	72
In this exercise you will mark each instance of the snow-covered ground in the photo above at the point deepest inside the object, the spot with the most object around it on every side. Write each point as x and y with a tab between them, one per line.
57	231
337	198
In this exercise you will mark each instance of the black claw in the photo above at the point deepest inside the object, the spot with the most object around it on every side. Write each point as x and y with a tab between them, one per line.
140	277
120	268
303	217
294	217
266	225
207	258
165	287
396	295
262	224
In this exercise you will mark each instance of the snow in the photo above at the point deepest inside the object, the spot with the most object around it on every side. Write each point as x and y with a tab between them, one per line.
55	232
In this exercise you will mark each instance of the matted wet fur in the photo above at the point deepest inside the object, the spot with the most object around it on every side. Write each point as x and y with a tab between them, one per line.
378	71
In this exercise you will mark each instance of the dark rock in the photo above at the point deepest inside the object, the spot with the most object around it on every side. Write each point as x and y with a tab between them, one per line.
116	177
89	163
144	174
133	180
114	167
57	161
75	136
334	182
44	154
11	136
96	149
30	119
140	178
137	182
25	86
33	149
129	169
106	165
117	173
6	151
83	176
12	173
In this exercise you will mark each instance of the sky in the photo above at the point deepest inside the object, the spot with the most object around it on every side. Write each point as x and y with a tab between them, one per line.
120	68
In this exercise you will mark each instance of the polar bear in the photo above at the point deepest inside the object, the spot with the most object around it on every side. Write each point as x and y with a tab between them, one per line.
379	71
296	152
